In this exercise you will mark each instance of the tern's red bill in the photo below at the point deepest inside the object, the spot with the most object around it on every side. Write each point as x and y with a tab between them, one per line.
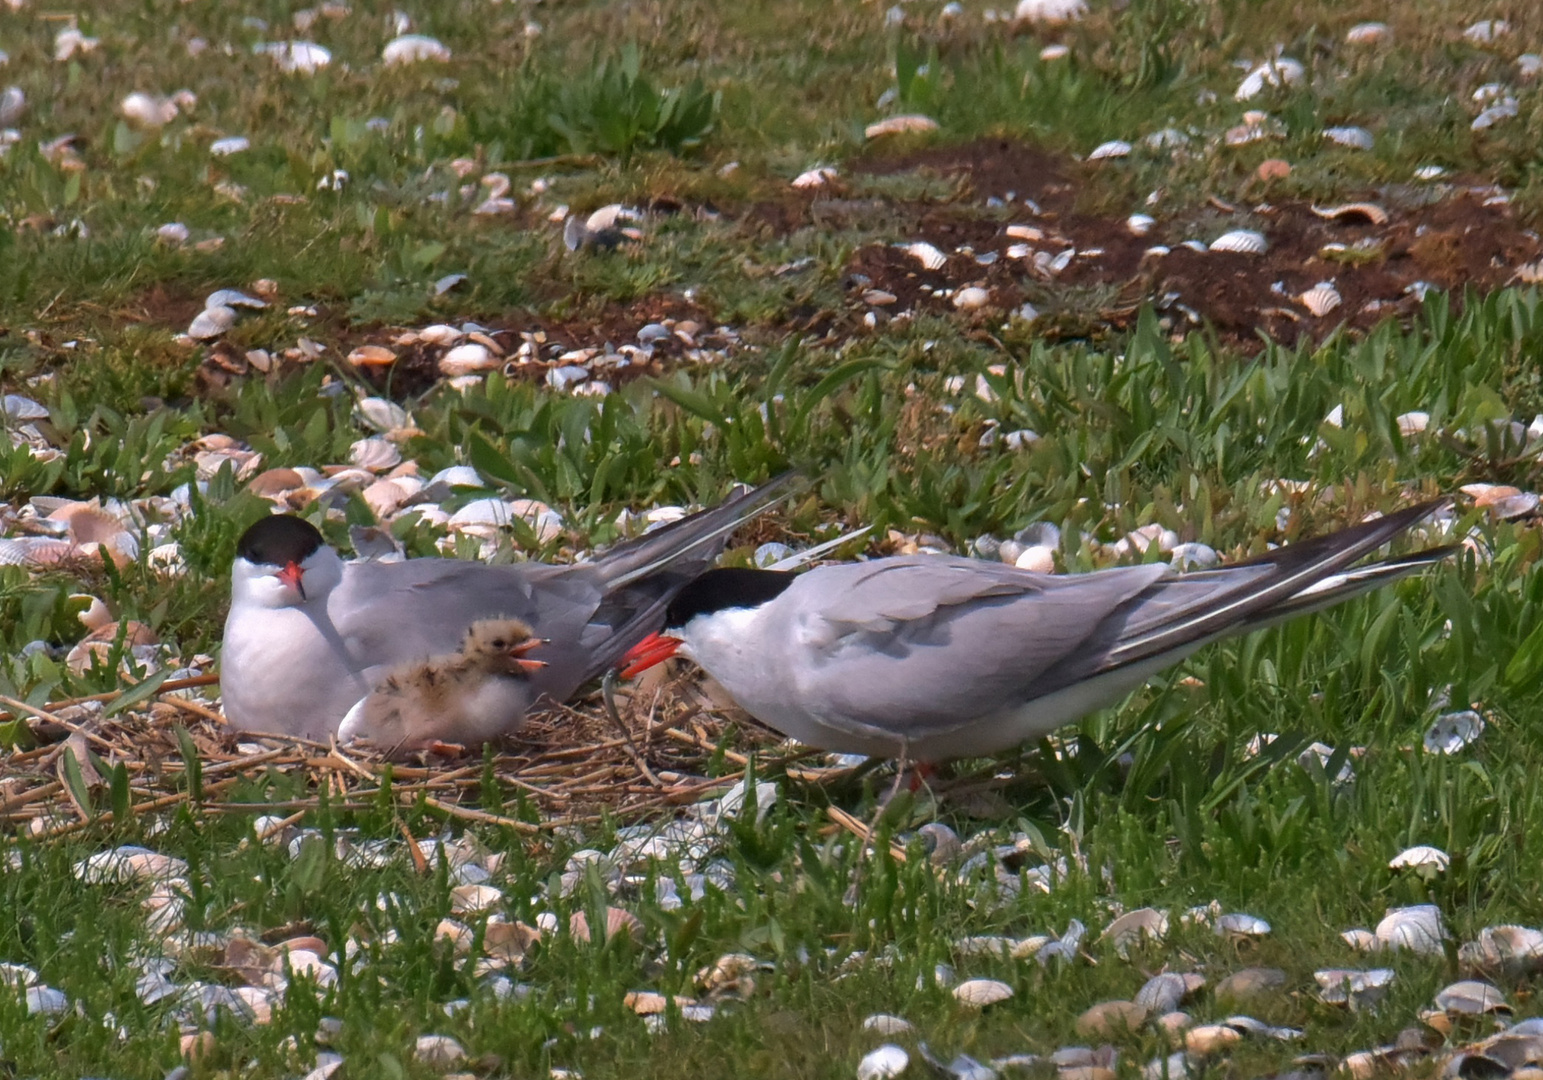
292	575
654	649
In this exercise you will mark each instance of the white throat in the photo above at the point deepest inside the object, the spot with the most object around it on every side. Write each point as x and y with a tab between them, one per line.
254	585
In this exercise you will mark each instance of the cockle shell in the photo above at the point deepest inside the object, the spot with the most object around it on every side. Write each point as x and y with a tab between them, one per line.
147	110
233	144
814	178
233	298
372	356
1140	224
882	1064
374	454
1367	33
1049	12
978	993
1241	241
1356	138
468	359
909	124
1471	997
1282	71
1419	857
930	257
1354	213
1321	299
1418	929
1485	31
297	57
412	49
1114	148
972	298
210	323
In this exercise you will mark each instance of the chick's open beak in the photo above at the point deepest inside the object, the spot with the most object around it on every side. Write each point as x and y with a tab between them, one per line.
292	576
518	654
654	649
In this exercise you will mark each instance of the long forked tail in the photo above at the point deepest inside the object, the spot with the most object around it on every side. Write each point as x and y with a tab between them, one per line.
1297	578
700	536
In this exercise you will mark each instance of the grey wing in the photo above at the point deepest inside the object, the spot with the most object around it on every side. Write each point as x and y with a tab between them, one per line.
918	645
391	613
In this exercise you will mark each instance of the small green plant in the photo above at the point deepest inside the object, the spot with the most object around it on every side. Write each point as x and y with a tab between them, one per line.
617	110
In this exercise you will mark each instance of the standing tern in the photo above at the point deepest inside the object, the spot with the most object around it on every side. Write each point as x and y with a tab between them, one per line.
930	657
309	635
468	697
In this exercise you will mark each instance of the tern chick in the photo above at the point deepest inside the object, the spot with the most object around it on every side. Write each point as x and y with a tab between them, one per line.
466	697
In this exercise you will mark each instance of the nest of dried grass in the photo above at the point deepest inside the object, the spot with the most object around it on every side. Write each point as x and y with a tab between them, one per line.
575	764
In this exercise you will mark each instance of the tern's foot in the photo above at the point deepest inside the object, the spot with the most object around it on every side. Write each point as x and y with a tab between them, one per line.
444	749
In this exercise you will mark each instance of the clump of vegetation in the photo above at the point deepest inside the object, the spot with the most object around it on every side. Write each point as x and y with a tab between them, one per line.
617	110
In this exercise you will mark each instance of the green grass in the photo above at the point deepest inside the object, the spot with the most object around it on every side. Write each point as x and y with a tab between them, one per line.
1159	805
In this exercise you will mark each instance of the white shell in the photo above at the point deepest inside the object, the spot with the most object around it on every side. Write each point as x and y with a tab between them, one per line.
1241	241
1486	31
1321	299
173	232
211	323
233	144
887	1061
297	57
1057	51
885	1024
1140	224
1418	929
1114	148
233	298
382	414
1036	558
1503	109
1241	925
1049	12
1515	950
438	1050
1450	732
909	124
147	110
930	257
468	359
1419	857
1529	65
1429	172
609	217
16	407
1342	986
814	178
374	454
1367	33
458	476
413	48
1357	138
1282	71
1412	423
978	993
474	899
1472	997
1361	940
972	298
1135	926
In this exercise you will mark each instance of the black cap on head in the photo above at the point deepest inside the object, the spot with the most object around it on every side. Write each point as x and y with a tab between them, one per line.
723	590
279	540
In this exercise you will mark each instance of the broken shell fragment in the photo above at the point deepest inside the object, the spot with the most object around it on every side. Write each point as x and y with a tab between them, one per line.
814	178
1282	71
978	993
912	124
1342	986
1450	732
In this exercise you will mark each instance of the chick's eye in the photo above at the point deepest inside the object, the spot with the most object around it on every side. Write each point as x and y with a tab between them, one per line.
498	643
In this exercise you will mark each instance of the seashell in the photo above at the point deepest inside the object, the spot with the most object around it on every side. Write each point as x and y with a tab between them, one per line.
1140	224
911	124
233	298
978	993
1111	1019
882	1024
438	1051
1166	139
413	49
1528	66
375	454
14	407
930	257
1036	558
1211	1038
1418	929
474	899
45	1001
1356	138
943	844
1508	950
1272	169
1485	31
1282	71
211	323
439	334
13	105
1321	299
468	359
1049	12
972	298
297	57
1024	232
617	921
1367	33
887	1061
128	863
1450	732
458	476
814	178
1241	241
1193	555
1504	109
1134	926
1162	994
1471	998
1249	983
1114	148
233	144
1419	858
147	110
1342	986
1361	940
1354	213
1240	925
